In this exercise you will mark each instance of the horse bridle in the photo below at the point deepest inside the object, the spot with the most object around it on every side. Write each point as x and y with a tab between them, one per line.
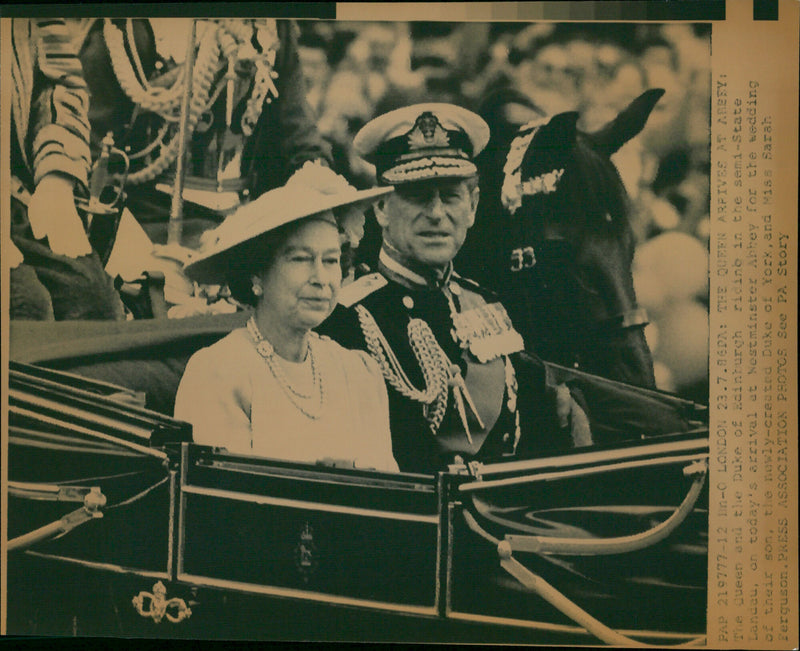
525	258
637	317
628	320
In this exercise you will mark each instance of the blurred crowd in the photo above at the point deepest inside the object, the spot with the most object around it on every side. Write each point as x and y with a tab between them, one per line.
354	71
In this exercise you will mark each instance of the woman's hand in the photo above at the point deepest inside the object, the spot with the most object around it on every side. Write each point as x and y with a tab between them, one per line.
572	417
52	214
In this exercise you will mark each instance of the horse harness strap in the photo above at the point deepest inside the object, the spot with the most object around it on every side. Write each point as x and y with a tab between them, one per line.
636	318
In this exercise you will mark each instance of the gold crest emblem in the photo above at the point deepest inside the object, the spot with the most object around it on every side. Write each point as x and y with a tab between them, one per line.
306	560
428	132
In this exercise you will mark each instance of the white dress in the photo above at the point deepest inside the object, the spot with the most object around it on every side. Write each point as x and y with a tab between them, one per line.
230	396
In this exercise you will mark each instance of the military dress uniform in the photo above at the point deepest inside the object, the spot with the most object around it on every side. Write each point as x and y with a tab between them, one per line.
50	135
458	381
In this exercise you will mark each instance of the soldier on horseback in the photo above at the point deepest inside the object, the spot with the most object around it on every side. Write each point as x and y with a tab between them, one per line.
54	272
234	126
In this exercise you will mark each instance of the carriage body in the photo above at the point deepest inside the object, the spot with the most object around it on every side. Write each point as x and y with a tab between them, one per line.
195	542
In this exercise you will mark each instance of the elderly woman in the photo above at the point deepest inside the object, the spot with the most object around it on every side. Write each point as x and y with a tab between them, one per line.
275	388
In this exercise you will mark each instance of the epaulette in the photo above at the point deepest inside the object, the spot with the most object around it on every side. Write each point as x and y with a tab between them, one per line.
473	286
360	288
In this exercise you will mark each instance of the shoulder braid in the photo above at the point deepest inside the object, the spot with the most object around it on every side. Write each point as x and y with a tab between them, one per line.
360	288
432	360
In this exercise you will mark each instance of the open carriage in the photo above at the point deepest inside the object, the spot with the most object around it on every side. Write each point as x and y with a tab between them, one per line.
119	525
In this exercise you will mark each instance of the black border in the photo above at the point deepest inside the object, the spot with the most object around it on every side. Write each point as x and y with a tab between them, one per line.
646	10
313	10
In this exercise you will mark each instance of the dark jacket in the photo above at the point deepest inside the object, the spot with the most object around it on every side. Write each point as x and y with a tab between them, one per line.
416	448
286	134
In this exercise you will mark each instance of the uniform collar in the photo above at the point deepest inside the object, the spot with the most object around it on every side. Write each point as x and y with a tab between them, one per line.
418	277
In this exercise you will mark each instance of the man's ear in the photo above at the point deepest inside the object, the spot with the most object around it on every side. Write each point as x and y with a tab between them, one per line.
380	213
474	198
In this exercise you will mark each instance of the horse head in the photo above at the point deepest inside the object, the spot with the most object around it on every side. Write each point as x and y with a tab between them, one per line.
572	243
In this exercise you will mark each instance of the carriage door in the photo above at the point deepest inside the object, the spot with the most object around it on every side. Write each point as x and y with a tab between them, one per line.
315	533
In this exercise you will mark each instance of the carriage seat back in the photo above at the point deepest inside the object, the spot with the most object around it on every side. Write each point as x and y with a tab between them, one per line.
147	356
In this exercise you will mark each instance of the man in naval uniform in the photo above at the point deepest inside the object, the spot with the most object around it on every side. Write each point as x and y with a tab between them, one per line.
459	383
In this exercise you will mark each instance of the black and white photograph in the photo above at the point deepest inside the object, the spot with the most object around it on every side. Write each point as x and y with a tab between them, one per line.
358	330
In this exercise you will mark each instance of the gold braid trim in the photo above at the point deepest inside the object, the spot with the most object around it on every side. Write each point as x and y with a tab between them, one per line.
432	359
219	43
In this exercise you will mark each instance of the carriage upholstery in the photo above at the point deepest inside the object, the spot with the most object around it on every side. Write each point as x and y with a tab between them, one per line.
147	355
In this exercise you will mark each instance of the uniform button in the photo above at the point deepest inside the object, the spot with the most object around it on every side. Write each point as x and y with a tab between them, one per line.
408	302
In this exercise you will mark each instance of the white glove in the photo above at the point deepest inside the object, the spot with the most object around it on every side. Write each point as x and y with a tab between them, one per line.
52	214
571	415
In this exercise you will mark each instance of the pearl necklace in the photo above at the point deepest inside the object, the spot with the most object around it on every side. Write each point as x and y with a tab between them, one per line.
266	351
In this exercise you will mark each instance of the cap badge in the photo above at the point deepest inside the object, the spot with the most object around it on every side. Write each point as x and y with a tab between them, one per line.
428	132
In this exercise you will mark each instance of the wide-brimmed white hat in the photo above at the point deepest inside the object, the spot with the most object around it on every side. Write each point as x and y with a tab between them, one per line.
291	202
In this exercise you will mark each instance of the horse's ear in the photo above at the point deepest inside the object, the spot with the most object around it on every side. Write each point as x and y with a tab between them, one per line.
560	131
551	143
628	123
